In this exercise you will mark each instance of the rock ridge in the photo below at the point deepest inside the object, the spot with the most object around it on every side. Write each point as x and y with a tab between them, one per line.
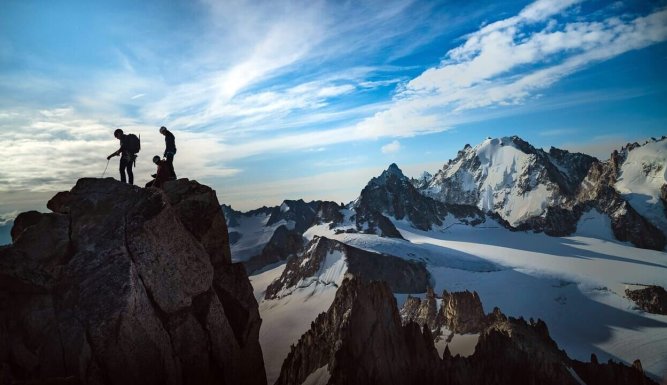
362	340
124	285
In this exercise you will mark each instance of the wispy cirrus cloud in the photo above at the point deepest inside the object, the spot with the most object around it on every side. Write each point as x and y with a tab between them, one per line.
510	61
558	132
244	79
504	63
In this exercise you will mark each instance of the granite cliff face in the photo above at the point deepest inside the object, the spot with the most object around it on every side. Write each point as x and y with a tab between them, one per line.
124	285
459	312
361	340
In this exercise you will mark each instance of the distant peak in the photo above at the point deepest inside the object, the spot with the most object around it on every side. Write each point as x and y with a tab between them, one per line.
393	169
391	172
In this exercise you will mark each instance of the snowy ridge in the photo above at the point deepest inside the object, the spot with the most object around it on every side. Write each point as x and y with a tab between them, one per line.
507	176
641	176
254	234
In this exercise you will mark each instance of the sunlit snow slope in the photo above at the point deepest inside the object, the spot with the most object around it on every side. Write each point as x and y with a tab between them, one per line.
642	174
576	284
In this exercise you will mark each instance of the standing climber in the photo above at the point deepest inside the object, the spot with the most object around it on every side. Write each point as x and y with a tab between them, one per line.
170	149
129	147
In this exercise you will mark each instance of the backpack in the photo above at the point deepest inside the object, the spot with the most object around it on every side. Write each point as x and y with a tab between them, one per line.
133	144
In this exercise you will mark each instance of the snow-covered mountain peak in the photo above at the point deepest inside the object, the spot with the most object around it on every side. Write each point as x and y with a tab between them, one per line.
510	177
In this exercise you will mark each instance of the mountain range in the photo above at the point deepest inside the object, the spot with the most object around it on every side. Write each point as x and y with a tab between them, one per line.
505	179
509	265
538	234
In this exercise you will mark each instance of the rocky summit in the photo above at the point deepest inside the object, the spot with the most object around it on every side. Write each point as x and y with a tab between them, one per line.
124	285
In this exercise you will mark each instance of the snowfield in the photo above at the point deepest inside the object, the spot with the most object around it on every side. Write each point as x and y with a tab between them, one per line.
255	234
576	284
285	319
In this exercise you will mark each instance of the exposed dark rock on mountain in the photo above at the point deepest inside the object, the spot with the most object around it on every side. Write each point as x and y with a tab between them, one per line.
361	340
401	275
231	215
460	312
291	219
422	181
393	194
373	222
422	312
463	180
123	285
284	243
557	221
506	184
611	373
652	299
576	166
597	191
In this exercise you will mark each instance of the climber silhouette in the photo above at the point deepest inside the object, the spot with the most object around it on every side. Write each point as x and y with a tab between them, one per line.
129	147
170	149
162	175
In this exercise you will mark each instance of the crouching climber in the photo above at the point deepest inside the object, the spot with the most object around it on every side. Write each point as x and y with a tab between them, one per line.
162	175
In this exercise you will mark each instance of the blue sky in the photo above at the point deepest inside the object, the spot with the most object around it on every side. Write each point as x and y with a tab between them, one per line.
309	99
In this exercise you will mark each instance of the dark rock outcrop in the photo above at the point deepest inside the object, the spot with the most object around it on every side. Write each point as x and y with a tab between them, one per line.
291	219
652	299
611	373
393	194
361	340
462	312
402	276
422	312
284	243
597	191
123	285
573	183
459	312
